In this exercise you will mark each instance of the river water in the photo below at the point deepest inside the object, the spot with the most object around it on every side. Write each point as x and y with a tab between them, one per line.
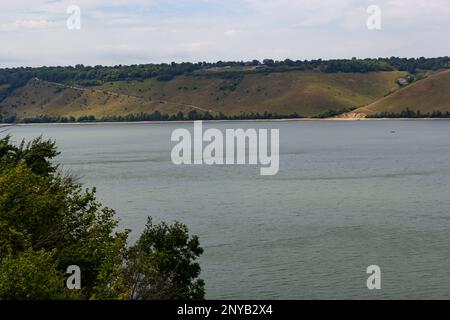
348	195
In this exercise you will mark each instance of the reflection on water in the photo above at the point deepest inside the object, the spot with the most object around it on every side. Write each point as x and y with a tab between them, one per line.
348	195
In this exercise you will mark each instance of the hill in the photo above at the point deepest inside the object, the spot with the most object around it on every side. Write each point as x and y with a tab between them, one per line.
427	95
308	93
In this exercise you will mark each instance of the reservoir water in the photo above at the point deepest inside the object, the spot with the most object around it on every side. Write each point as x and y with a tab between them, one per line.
348	195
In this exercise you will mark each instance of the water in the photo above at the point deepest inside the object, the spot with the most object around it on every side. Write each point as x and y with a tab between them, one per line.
348	195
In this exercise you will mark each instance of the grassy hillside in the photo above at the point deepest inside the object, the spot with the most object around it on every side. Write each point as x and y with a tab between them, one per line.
307	93
427	95
39	97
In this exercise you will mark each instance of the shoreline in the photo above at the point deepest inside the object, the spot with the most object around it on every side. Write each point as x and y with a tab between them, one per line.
4	125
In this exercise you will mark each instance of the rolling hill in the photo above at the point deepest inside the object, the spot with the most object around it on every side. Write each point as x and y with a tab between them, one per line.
308	93
427	95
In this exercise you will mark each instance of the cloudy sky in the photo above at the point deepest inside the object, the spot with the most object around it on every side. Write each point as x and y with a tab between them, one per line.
35	32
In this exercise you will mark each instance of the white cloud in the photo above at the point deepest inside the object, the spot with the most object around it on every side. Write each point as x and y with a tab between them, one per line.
24	24
231	33
34	32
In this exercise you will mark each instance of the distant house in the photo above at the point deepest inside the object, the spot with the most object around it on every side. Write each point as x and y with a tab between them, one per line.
402	81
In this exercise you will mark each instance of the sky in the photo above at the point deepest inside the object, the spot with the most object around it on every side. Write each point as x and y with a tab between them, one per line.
36	33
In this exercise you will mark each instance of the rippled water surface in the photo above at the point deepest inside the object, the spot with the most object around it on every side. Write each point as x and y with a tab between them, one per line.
348	195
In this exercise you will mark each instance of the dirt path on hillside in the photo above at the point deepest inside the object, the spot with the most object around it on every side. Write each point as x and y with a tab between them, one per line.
112	93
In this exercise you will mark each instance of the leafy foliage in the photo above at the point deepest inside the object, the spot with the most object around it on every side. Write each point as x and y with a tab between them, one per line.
164	257
48	222
409	113
31	275
157	116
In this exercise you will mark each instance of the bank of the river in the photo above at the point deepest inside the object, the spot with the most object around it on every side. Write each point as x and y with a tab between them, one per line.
2	125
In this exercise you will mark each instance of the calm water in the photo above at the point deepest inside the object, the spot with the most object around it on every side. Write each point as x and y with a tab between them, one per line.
348	195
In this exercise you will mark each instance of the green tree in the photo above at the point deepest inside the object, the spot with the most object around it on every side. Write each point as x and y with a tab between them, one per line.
48	222
32	275
161	265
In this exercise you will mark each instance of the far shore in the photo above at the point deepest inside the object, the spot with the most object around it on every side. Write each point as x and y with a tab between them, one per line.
4	125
